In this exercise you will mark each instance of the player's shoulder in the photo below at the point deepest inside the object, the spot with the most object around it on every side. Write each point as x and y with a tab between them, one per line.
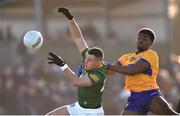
101	71
126	55
151	53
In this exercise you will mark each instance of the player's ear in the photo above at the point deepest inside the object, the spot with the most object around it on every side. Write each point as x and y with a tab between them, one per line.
99	60
98	63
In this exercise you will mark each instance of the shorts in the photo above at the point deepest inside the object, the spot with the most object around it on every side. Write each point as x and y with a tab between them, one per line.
140	101
76	109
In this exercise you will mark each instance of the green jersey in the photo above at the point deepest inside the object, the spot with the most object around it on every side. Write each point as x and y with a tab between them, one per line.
91	97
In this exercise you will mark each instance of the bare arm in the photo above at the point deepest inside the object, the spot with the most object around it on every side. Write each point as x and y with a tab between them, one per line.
75	80
111	72
77	35
138	67
74	30
69	74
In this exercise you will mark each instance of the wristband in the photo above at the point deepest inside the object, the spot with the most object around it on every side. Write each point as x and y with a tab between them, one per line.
70	17
64	67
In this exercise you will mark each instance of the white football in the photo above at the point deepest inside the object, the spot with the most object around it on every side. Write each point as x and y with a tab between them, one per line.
33	40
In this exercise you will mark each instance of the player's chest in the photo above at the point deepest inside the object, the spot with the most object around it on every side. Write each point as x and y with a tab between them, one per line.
131	59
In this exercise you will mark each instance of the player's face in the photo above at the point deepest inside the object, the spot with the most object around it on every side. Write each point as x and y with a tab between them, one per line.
91	62
143	42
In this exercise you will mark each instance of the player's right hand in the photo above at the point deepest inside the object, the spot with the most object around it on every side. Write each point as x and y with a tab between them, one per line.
66	12
55	59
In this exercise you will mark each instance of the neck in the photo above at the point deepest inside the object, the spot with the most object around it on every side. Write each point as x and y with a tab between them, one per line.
140	51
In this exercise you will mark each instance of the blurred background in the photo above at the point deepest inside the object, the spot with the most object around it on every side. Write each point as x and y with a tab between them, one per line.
28	85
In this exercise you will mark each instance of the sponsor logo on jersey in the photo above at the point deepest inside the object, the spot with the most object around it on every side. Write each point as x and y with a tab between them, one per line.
132	59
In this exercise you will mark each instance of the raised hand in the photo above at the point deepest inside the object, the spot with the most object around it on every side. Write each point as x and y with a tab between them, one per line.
66	12
55	59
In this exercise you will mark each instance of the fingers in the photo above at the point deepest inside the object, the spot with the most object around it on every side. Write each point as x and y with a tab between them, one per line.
54	59
62	9
51	62
52	54
66	12
50	58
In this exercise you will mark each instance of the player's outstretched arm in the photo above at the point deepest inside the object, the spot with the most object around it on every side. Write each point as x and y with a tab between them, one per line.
74	30
138	67
69	74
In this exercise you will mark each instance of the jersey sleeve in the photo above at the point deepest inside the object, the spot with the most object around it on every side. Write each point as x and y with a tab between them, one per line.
96	78
84	53
150	57
79	70
121	60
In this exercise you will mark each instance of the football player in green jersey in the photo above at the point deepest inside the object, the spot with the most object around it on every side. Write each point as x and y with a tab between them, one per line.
90	77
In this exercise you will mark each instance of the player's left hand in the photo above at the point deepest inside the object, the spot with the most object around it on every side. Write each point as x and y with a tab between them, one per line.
55	59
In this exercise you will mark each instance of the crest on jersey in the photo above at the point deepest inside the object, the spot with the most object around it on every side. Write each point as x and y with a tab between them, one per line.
94	77
132	59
